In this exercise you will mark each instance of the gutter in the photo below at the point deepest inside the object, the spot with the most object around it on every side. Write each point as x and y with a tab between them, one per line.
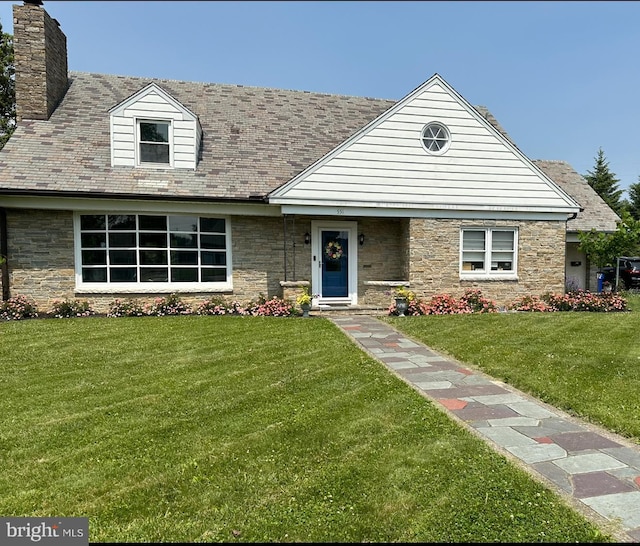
4	266
135	196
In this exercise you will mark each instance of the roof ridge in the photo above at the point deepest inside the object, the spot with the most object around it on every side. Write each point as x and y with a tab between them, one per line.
235	85
553	161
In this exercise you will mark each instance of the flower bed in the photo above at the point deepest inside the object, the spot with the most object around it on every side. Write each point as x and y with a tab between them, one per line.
474	302
20	307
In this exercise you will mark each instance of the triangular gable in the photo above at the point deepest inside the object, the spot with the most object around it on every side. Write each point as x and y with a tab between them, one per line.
385	164
152	89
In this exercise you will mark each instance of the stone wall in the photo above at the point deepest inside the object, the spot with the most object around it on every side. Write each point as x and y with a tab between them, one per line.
40	50
383	257
434	259
258	256
41	259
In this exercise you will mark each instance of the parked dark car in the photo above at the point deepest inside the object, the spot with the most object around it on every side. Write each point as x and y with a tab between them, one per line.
629	272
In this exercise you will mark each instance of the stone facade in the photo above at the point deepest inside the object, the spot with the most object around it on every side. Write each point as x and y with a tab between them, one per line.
42	79
434	259
258	256
41	259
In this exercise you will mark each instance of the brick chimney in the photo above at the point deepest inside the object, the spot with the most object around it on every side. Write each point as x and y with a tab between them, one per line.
40	50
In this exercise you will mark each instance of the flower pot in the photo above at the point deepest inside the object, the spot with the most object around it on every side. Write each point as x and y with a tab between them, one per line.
305	309
401	306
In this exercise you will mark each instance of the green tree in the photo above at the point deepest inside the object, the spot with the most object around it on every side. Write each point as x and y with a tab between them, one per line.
605	183
7	88
604	248
634	200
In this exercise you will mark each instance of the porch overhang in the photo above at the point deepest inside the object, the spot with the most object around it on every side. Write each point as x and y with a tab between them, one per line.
394	211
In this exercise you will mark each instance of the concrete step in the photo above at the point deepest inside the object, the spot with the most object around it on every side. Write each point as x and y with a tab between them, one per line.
343	310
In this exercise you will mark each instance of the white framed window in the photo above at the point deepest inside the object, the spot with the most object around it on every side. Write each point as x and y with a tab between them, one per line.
154	142
144	252
488	252
435	138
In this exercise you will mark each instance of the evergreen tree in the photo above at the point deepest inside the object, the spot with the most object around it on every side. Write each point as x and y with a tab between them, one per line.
7	88
605	183
634	200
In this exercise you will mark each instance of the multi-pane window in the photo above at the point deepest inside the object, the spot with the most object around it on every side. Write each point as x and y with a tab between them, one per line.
490	251
138	248
153	138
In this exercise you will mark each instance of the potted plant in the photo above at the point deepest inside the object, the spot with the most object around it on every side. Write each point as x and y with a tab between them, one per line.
402	297
304	301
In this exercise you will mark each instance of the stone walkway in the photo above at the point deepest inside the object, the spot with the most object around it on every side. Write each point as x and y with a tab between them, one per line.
596	471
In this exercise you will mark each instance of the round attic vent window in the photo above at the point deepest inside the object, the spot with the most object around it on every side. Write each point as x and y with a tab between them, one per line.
436	138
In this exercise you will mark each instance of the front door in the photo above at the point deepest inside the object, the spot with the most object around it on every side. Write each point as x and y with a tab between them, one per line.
334	262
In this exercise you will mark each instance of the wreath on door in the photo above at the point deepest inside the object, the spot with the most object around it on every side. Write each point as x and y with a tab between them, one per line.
333	250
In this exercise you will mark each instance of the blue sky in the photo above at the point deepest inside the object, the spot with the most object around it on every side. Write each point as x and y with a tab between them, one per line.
563	78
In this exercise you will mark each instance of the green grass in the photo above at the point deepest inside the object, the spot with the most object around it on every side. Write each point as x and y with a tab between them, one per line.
587	364
222	429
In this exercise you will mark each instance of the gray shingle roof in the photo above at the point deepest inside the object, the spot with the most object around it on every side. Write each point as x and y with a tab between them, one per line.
254	140
596	214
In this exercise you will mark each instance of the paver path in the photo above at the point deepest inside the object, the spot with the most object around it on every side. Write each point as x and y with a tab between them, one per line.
598	472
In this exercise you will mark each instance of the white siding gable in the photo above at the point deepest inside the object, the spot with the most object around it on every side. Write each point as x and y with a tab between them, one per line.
386	165
153	103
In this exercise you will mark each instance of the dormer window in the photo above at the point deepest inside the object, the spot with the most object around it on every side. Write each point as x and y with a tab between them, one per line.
152	130
154	142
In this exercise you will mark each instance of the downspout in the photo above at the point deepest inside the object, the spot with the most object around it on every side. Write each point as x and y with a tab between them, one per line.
4	266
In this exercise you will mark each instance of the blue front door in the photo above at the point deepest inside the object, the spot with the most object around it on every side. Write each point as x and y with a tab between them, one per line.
335	264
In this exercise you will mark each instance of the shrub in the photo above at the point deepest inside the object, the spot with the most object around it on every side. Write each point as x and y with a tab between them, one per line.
531	303
17	308
611	302
476	302
71	308
559	302
170	305
238	308
275	307
214	306
444	304
578	300
125	308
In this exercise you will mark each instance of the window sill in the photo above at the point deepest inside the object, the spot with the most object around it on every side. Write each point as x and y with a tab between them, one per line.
155	166
153	288
489	277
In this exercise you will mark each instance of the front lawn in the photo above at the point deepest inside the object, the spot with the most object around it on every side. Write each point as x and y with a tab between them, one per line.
587	364
251	429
